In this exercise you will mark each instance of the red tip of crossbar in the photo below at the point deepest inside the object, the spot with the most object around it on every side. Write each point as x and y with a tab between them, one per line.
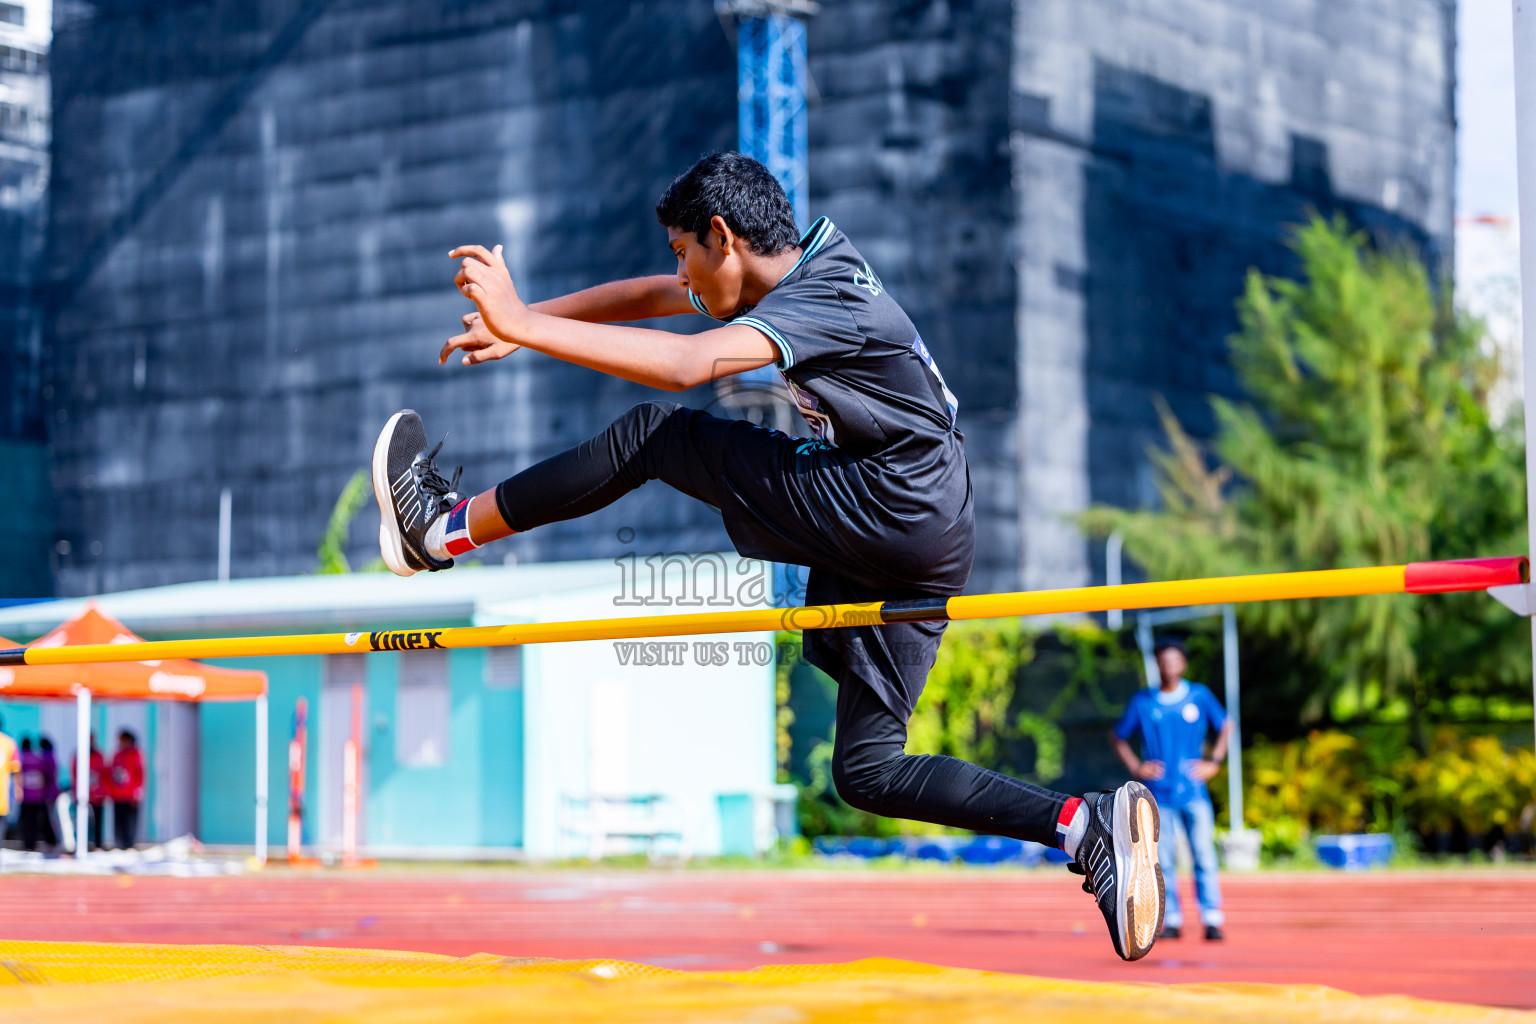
1464	574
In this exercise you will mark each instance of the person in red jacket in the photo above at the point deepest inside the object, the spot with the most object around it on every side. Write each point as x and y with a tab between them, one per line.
97	789
126	788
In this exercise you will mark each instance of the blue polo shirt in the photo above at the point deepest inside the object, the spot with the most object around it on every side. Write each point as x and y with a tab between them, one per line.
1173	728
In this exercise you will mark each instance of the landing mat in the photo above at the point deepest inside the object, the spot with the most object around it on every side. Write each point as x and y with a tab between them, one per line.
129	984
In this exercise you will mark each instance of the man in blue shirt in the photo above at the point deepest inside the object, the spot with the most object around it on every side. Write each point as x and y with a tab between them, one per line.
1173	721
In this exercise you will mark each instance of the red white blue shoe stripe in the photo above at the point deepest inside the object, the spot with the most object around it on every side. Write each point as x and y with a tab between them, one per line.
456	530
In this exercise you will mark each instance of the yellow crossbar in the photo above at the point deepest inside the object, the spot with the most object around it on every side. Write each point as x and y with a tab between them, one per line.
1416	577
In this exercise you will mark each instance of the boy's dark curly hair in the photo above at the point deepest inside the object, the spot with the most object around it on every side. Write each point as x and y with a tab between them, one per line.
739	190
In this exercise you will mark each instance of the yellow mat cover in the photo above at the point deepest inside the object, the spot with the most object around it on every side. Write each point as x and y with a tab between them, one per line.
128	984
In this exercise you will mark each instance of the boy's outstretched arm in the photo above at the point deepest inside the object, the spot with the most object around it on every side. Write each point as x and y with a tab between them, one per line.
636	298
658	359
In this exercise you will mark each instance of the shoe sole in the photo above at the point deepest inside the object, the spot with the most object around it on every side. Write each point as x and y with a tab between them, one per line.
390	545
1139	875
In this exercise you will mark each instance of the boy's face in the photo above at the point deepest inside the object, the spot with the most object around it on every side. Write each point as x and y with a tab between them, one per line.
711	268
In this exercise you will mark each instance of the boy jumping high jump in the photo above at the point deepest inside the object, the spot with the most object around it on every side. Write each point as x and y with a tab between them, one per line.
877	503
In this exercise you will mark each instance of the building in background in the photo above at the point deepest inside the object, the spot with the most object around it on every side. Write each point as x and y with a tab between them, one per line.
1160	153
1487	191
252	206
25	31
1488	287
547	751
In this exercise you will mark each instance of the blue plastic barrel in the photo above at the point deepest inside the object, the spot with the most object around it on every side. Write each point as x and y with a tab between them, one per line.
991	850
1354	851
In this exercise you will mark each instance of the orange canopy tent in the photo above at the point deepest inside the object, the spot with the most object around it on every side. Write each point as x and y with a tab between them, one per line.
133	680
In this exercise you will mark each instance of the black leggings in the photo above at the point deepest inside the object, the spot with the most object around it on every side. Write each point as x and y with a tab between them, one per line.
34	825
654	441
872	771
125	822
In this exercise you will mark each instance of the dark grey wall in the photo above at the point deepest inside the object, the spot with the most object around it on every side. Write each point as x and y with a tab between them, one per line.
21	321
1160	150
909	156
1171	236
26	514
254	209
253	215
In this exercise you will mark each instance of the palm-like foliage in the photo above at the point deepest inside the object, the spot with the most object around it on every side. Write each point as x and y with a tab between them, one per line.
331	556
1365	441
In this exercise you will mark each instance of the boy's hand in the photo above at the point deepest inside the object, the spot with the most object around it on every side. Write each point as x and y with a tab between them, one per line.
1149	770
484	280
478	343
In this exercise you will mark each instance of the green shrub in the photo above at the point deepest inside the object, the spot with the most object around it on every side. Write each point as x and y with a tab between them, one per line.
964	708
1304	787
1472	782
1332	782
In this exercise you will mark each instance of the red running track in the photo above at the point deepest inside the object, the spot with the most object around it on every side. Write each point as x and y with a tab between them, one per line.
1465	936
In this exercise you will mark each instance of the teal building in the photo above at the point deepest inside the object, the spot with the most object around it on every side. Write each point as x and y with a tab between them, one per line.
545	751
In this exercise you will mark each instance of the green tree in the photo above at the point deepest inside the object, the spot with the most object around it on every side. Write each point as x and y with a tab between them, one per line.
964	708
1366	440
331	556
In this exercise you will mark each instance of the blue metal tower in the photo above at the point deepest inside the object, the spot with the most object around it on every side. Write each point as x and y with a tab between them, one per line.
770	94
771	78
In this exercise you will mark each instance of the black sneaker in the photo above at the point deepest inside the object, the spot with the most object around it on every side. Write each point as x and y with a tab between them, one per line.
1213	933
411	493
1170	931
1119	856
